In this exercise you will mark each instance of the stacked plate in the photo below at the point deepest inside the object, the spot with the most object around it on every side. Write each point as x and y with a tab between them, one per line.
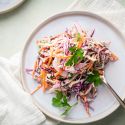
7	5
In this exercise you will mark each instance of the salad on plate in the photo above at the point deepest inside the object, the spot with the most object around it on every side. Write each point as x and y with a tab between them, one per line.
71	65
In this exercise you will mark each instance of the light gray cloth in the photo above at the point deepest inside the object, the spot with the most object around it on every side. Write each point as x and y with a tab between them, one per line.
112	10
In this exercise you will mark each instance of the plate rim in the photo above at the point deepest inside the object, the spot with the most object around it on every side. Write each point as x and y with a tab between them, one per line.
49	19
11	7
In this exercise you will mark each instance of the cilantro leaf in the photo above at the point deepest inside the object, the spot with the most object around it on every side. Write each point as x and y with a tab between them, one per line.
66	111
69	62
65	100
78	54
59	94
61	101
56	102
94	78
72	49
78	37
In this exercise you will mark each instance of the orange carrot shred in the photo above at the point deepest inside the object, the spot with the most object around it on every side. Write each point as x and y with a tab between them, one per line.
38	87
89	65
35	66
51	57
58	73
62	57
44	83
114	57
81	42
101	72
58	51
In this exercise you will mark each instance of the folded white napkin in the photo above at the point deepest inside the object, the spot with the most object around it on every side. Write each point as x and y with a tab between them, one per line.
16	106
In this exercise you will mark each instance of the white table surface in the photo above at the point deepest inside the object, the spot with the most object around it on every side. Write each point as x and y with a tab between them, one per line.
16	26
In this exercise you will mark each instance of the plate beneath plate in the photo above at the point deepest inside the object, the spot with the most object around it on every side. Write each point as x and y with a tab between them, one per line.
7	5
104	104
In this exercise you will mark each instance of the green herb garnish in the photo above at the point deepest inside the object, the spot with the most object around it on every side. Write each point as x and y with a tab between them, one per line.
78	54
43	41
94	78
78	37
73	49
52	77
61	101
70	75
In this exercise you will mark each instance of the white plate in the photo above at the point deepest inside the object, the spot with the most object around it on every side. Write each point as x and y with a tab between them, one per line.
105	103
7	5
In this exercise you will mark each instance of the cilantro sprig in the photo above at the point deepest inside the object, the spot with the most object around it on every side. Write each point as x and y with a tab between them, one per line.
78	54
94	78
61	101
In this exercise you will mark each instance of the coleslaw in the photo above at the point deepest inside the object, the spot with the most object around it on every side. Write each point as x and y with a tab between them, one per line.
70	64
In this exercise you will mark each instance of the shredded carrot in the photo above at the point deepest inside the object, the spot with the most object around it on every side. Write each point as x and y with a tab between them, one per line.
101	72
46	61
38	87
89	65
114	57
35	66
62	57
44	83
51	57
43	48
58	73
81	42
58	51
